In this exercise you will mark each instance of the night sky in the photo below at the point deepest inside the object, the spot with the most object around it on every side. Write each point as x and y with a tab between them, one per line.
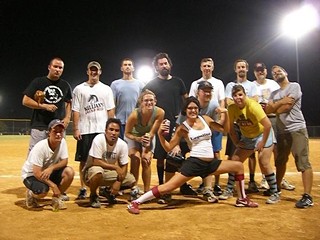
32	32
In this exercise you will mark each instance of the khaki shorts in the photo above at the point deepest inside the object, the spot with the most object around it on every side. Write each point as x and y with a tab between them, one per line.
109	176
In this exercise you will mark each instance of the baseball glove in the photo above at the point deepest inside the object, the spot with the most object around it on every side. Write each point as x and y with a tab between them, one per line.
39	96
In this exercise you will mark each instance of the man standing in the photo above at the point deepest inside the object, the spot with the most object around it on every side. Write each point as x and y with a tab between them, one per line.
170	92
218	94
56	104
126	92
93	105
292	132
46	167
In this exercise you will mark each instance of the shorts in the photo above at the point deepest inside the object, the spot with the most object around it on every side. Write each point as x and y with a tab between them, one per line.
194	167
38	187
83	147
273	121
109	176
298	144
216	141
251	143
137	145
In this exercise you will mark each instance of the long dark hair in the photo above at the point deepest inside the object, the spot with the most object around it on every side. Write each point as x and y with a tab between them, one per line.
186	103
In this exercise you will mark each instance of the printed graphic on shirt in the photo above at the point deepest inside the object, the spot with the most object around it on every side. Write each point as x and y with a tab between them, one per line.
110	157
242	121
93	105
53	94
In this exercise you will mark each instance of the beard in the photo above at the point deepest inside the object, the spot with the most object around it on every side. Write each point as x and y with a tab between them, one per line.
164	72
280	78
242	74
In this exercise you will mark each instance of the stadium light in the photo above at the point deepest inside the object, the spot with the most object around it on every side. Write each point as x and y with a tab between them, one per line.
298	23
145	73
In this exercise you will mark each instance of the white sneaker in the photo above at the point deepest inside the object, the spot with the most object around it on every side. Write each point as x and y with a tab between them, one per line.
264	184
226	194
274	198
31	202
287	186
58	204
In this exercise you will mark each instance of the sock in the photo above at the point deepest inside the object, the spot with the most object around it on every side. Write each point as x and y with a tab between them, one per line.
230	183
151	194
272	182
160	171
251	177
240	185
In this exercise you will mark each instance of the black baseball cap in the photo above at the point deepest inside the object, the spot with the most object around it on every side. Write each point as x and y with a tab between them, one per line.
259	66
204	84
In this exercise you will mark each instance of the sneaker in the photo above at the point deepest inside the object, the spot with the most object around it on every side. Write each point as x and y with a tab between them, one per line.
287	186
82	194
264	184
305	201
106	192
217	190
252	188
64	197
246	202
31	202
133	208
268	193
227	193
209	196
94	201
200	189
134	194
186	189
165	199
274	198
58	204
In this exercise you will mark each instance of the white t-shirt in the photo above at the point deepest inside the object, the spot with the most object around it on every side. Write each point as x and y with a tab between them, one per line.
249	87
92	102
264	90
217	91
41	155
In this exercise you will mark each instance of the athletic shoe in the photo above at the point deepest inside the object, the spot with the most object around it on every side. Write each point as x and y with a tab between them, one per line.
31	202
134	194
94	201
165	199
246	202
252	188
305	201
274	198
82	194
264	184
64	197
58	204
217	190
227	193
200	189
186	189
209	196
133	208
287	186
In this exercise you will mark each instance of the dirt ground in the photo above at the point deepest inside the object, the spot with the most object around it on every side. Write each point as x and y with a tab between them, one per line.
185	217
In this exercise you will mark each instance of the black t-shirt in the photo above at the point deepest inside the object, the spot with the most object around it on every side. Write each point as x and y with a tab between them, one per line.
56	92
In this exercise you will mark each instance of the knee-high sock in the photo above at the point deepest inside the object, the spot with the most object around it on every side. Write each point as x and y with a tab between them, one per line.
240	185
272	182
230	183
160	171
151	194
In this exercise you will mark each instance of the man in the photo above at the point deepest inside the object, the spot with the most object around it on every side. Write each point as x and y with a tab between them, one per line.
241	68
126	92
207	67
292	132
265	88
46	167
93	105
107	165
170	92
56	105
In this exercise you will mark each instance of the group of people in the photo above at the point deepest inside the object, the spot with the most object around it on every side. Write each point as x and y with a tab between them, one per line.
160	120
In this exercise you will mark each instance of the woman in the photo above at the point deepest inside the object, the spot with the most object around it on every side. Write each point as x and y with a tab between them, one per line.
196	130
141	127
256	135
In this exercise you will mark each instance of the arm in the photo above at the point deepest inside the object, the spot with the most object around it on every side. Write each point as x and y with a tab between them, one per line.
76	131
111	113
131	121
158	120
175	140
217	126
67	117
121	170
281	106
222	116
31	103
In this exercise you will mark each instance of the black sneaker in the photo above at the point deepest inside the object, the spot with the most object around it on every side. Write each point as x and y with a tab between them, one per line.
165	199
305	201
217	191
252	188
106	192
200	189
186	189
82	194
94	201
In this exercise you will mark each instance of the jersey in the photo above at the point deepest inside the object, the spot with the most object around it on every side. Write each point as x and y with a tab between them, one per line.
249	87
218	93
139	130
248	118
293	120
92	103
125	93
199	141
57	92
42	156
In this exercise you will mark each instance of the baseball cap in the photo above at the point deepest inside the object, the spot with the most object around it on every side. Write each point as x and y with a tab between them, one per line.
94	64
259	66
54	123
204	84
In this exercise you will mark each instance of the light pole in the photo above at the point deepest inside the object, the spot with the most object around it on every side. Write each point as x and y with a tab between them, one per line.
298	23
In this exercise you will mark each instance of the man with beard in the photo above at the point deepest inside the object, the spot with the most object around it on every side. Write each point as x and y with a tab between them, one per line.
125	103
292	132
241	68
170	92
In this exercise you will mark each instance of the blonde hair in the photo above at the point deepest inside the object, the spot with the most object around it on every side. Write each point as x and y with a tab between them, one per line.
145	92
